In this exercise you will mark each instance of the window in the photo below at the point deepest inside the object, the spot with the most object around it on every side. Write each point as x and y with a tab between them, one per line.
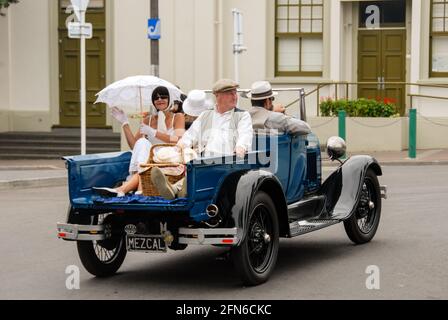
93	4
299	37
439	38
392	13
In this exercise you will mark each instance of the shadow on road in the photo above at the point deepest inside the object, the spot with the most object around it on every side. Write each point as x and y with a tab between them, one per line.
198	268
180	269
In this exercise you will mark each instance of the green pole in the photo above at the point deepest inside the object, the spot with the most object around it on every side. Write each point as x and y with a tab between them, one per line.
342	115
412	133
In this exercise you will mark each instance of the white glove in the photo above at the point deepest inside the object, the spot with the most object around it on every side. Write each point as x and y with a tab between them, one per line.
120	116
147	131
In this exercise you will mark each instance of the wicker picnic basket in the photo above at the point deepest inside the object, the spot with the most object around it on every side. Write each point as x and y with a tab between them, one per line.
148	187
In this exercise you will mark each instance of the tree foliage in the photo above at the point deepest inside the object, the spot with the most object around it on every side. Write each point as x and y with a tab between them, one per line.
5	4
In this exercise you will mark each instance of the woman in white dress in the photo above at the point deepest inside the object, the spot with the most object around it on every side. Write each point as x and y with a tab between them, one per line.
165	127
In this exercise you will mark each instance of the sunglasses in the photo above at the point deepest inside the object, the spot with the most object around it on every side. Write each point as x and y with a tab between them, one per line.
272	98
161	96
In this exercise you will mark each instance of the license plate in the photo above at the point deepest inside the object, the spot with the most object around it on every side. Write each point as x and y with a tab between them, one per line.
145	243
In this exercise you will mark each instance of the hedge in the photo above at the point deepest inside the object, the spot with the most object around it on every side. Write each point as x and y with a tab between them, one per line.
359	108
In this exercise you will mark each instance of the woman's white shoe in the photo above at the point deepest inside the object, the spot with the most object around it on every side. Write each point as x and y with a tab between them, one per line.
108	192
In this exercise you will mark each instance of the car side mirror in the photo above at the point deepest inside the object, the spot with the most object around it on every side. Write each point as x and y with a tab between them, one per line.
336	148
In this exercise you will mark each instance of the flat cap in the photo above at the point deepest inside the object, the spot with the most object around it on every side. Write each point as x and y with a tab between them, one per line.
224	85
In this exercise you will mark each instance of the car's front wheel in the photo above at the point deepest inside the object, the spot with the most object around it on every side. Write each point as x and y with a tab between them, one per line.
361	227
256	256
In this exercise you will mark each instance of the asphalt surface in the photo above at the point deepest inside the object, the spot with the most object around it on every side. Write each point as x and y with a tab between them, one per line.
410	251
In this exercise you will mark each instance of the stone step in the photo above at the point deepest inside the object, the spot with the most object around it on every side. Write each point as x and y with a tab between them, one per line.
52	137
57	143
54	149
49	156
66	131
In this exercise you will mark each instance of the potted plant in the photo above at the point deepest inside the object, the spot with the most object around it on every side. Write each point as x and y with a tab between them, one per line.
5	4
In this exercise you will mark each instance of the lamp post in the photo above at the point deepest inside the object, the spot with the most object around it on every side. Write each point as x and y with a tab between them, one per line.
238	47
154	42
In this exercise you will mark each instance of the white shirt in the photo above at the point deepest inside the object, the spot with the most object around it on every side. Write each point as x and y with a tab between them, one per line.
218	138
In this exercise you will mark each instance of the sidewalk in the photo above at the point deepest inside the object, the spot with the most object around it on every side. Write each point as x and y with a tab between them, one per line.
400	158
16	174
47	173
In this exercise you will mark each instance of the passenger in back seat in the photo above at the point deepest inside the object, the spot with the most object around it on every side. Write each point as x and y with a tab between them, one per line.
263	115
164	127
221	131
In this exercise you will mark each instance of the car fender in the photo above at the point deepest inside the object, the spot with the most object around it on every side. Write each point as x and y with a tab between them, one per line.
236	195
342	188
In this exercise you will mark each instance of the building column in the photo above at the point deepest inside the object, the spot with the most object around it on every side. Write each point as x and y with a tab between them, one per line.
415	44
5	69
335	43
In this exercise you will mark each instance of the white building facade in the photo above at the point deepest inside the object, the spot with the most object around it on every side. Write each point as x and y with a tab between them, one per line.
300	43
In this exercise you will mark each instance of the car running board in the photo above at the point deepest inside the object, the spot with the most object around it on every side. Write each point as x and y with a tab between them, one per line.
298	228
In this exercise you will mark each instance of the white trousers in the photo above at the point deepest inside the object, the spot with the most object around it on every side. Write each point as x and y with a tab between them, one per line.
140	154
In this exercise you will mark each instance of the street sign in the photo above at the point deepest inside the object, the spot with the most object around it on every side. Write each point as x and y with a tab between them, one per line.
154	29
79	6
81	30
76	30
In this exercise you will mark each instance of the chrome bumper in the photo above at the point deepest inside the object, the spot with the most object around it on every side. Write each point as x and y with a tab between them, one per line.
76	232
208	236
383	190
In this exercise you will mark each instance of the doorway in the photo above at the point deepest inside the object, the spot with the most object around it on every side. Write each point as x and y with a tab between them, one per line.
69	67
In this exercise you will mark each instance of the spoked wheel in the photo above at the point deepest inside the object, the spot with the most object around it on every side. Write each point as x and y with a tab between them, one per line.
363	224
255	258
102	258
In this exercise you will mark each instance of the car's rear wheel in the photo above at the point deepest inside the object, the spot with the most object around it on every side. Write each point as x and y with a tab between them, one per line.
256	256
102	258
361	227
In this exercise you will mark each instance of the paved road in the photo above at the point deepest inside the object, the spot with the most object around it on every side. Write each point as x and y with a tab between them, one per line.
410	249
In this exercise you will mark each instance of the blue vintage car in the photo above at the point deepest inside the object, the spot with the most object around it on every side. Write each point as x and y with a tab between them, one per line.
243	204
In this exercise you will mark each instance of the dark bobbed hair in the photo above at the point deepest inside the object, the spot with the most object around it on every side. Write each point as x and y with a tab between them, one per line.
161	91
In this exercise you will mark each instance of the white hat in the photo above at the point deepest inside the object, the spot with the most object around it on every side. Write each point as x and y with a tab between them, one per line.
196	103
261	90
